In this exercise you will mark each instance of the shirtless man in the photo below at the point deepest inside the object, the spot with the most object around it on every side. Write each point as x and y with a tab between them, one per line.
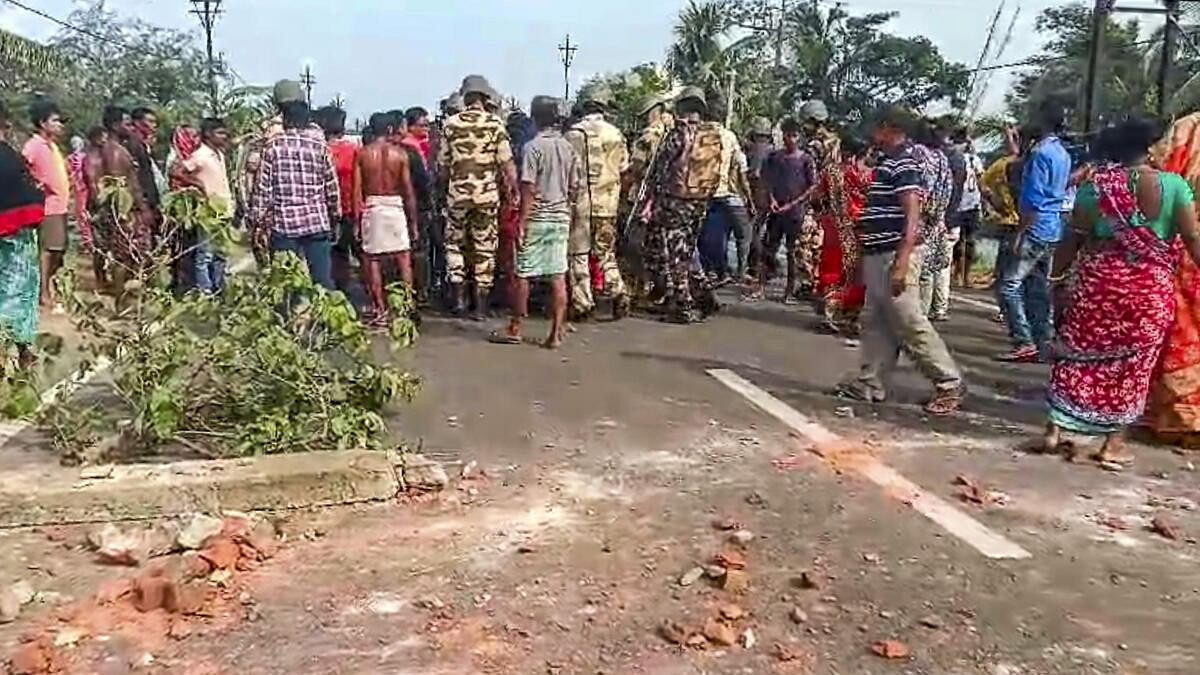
388	228
126	239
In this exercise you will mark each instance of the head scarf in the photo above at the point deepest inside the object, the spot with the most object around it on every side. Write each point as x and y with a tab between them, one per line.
184	143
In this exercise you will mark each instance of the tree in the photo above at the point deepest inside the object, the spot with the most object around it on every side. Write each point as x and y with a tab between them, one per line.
706	52
849	61
1128	73
631	89
127	61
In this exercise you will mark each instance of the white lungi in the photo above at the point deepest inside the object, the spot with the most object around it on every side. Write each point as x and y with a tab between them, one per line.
385	225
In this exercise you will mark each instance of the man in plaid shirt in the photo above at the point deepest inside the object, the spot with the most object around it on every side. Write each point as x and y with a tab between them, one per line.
297	197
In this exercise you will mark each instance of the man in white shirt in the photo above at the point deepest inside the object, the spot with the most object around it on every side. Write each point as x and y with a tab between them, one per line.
206	171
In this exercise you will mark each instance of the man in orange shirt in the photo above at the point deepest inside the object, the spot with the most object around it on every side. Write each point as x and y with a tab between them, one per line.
49	169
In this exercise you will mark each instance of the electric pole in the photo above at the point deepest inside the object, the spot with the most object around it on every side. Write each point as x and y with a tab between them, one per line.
568	57
307	79
1170	36
1091	102
338	102
779	35
208	11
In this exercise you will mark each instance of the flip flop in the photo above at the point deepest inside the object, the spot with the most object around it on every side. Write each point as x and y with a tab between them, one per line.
504	339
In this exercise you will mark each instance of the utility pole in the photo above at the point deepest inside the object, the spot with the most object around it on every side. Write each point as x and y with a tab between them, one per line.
208	11
1170	37
779	35
1091	103
338	102
307	79
568	57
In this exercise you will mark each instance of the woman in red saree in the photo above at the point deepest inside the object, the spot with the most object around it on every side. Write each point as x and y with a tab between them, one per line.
1121	292
843	189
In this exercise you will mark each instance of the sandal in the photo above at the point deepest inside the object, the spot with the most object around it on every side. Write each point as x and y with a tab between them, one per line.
946	401
498	338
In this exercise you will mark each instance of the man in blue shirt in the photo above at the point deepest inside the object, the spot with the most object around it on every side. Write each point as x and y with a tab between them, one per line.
1024	285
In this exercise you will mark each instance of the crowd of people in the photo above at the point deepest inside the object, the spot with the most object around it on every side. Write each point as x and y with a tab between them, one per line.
1095	272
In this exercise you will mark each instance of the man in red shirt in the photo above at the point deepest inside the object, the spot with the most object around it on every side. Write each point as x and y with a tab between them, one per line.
344	153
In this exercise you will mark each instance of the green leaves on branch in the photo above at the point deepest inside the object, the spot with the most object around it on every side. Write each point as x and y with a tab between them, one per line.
275	364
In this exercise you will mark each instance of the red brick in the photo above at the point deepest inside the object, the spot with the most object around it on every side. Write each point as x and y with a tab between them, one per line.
222	553
32	658
154	592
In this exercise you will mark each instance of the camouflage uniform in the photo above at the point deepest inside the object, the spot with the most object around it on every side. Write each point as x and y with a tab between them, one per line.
643	262
685	175
472	152
602	150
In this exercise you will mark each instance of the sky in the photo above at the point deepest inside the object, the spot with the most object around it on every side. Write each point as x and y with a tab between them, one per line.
384	54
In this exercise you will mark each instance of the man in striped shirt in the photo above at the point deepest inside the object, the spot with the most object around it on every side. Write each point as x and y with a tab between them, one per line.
297	195
892	261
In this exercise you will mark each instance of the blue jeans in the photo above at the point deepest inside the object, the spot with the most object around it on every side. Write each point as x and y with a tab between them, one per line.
315	249
1024	290
208	268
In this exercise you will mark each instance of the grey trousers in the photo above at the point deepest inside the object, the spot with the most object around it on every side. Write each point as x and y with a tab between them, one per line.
891	324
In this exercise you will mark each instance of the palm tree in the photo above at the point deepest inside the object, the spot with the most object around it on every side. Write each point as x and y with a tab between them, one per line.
706	53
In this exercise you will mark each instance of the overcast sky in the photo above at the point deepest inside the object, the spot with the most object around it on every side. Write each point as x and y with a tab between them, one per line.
382	54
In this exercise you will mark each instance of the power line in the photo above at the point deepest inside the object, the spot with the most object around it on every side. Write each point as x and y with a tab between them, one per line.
68	26
1040	60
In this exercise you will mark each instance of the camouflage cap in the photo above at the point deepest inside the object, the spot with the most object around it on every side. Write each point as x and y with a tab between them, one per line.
814	110
475	84
692	93
287	91
650	103
600	94
761	126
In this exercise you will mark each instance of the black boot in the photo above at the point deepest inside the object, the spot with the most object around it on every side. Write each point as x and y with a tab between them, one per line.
479	309
458	303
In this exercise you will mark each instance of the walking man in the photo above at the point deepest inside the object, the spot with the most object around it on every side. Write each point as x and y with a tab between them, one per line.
551	175
601	147
644	265
390	223
894	319
1024	281
685	176
49	169
475	161
296	197
206	170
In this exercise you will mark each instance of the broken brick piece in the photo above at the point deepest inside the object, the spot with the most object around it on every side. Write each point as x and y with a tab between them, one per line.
891	649
154	592
222	553
719	633
731	559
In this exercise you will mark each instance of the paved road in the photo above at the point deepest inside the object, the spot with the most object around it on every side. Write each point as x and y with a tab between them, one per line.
606	464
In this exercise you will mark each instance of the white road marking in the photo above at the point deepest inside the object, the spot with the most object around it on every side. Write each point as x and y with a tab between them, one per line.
931	506
989	306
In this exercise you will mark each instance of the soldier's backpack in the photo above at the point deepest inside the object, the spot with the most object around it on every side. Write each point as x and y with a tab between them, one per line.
703	173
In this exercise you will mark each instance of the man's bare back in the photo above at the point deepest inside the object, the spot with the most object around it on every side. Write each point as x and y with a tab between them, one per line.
384	169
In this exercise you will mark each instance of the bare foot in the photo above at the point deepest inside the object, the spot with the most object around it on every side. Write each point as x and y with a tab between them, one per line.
553	342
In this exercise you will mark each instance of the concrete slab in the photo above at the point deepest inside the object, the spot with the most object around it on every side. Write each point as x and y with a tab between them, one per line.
142	491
